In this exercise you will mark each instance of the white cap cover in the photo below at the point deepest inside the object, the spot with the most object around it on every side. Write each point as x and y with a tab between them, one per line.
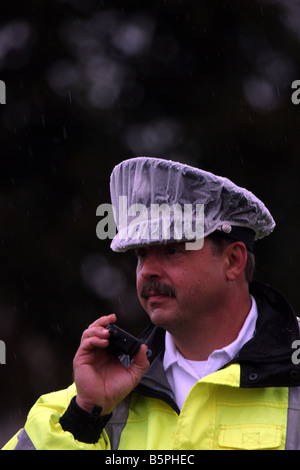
147	181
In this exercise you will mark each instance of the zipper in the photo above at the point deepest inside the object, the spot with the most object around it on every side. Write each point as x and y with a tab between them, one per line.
151	393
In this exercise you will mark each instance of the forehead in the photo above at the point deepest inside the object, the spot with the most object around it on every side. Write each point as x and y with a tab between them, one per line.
160	246
163	247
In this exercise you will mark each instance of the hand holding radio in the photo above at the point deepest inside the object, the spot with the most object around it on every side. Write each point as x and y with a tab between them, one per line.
100	378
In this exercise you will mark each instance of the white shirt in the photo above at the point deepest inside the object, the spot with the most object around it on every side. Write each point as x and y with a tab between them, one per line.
182	373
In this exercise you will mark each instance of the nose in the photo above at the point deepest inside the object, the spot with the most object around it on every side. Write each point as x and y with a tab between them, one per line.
150	266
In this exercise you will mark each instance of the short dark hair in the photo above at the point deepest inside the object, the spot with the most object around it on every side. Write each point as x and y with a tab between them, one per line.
219	242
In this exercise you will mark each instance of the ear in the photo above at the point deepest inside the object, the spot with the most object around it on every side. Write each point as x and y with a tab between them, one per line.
236	259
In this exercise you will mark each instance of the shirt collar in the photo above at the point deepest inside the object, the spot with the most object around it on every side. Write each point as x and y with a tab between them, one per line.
220	356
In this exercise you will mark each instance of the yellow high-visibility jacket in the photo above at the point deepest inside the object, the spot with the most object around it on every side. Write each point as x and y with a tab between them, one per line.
251	403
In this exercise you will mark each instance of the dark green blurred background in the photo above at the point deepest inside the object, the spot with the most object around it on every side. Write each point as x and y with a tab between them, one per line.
90	83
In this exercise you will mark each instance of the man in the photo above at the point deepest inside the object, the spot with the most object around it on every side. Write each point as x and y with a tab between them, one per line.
220	374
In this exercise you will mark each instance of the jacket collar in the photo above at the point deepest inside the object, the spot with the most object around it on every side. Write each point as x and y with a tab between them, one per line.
266	360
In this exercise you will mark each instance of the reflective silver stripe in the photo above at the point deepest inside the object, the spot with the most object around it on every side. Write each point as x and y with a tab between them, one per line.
117	422
24	442
293	420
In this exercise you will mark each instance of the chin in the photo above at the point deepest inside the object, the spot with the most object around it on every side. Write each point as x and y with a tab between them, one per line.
159	317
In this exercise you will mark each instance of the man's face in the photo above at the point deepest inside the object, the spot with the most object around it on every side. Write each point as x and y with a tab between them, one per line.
175	286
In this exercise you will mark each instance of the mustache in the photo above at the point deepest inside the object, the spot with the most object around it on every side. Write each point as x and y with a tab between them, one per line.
158	287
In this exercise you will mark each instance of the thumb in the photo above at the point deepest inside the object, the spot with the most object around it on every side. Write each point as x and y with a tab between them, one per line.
140	363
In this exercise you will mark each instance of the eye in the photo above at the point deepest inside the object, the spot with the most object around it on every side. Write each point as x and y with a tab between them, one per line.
173	249
140	253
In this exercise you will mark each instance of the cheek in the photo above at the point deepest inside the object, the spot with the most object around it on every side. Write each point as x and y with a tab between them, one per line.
184	285
139	285
138	281
196	282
